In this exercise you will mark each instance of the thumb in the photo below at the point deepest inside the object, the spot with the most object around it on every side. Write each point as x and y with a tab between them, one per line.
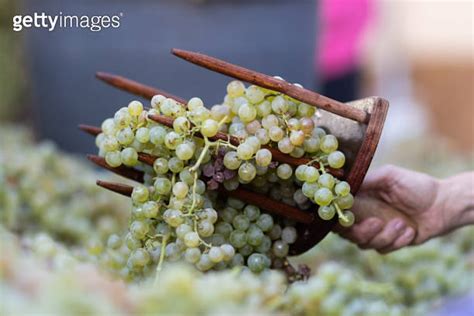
380	179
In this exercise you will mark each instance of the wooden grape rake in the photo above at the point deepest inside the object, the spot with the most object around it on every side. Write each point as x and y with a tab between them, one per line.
357	125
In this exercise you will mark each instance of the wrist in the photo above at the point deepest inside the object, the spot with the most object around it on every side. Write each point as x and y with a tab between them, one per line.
456	201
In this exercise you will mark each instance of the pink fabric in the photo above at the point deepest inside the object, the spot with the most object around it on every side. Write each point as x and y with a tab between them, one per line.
343	23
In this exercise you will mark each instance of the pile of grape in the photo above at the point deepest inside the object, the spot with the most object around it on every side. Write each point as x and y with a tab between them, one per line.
41	189
39	275
177	214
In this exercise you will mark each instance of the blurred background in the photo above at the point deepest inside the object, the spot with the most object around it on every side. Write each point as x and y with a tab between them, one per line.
416	54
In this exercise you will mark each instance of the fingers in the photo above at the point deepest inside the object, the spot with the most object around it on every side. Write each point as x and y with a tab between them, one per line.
372	233
361	233
405	239
388	235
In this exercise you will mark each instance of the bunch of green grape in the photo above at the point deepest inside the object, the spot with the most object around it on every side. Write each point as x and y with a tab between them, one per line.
176	213
264	117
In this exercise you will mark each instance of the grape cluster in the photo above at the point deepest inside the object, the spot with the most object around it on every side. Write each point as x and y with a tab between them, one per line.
266	118
176	215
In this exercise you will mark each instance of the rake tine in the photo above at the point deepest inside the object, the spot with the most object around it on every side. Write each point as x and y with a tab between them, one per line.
89	129
119	188
271	83
134	87
127	172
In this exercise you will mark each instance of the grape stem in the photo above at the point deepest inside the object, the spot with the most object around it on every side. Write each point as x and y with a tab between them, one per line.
339	212
207	145
193	205
200	239
162	257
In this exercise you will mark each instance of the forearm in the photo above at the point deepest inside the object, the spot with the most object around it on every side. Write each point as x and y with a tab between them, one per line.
456	195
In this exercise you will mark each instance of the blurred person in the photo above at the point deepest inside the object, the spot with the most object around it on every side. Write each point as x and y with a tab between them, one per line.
343	24
434	206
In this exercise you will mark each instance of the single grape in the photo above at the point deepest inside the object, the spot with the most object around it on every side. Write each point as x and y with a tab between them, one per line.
263	157
143	135
139	229
162	186
247	172
241	222
181	125
285	145
157	135
280	249
209	128
235	89
238	238
215	254
192	255
254	236
191	239
195	103
175	165
311	174
300	172
297	138
336	159
254	94
284	171
135	108
245	151
328	144
224	229
348	220
279	105
182	230
125	136
156	101
172	140
342	188
262	136
113	159
323	196
326	180
345	202
252	212
265	222
289	235
228	252
150	209
326	212
256	262
231	160
140	194
276	133
160	166
205	228
247	113
139	258
184	151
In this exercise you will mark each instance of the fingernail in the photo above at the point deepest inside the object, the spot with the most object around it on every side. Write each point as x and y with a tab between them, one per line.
374	224
399	225
409	232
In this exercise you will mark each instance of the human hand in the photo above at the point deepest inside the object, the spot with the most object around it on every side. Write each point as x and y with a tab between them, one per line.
397	207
